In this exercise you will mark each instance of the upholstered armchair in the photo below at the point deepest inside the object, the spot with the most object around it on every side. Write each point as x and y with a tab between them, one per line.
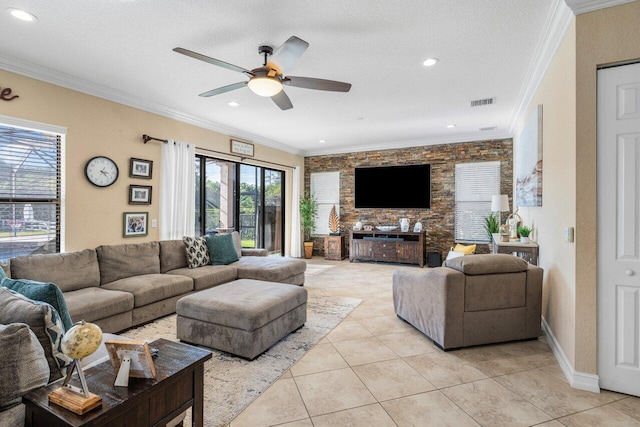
471	300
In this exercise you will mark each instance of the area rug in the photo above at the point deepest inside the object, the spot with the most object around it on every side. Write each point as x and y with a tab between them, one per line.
232	383
313	269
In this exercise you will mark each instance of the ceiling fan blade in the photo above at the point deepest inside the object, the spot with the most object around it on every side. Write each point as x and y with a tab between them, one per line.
210	60
287	54
282	100
223	89
317	84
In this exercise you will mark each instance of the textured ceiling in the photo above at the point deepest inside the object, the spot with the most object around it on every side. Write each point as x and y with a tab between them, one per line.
122	50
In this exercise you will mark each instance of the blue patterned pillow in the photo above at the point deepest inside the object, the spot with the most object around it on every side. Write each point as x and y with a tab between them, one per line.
45	292
197	251
43	320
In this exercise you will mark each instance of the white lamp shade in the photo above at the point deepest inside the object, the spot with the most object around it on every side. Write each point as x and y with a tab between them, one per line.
500	203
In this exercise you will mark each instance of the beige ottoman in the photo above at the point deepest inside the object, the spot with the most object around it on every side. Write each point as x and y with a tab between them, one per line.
244	317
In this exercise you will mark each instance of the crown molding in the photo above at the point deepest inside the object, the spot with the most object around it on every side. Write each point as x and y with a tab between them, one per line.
393	145
583	6
558	21
69	81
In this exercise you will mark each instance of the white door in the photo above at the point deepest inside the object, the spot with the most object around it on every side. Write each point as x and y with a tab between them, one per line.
619	228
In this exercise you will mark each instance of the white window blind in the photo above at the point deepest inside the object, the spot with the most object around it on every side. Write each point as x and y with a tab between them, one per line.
475	184
30	191
325	187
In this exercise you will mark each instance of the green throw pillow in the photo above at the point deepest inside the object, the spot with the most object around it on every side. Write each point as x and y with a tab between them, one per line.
221	249
45	292
3	275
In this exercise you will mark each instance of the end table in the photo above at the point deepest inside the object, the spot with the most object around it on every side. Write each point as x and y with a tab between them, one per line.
334	248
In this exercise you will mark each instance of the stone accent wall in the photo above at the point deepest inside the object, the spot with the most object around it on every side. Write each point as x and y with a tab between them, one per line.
439	220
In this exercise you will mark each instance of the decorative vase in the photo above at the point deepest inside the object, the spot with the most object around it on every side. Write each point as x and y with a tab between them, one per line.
358	226
308	250
524	239
404	225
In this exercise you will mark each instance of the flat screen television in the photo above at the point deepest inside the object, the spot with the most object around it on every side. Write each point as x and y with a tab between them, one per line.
399	187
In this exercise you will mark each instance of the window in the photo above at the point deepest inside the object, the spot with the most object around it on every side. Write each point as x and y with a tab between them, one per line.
30	191
475	184
246	198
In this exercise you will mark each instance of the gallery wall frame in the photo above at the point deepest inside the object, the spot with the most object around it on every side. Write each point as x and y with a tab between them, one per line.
140	168
140	194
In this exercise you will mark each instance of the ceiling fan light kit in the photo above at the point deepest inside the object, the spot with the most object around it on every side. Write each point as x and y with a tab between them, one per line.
268	80
265	86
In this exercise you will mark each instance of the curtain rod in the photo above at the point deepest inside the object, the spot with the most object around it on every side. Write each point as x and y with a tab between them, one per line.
146	138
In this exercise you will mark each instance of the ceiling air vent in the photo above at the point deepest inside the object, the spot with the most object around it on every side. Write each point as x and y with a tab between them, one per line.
489	128
482	102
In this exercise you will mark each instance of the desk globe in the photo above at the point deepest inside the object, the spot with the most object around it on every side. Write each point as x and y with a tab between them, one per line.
81	340
78	342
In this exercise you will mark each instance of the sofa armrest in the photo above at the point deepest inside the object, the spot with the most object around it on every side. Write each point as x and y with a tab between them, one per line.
255	252
534	300
433	302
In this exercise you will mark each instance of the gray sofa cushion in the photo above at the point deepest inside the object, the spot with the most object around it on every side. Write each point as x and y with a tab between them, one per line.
23	365
127	260
43	321
495	291
70	271
487	264
270	269
149	288
93	304
173	255
208	276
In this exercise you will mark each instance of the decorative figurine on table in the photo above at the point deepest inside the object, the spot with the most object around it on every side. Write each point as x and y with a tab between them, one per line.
334	222
513	224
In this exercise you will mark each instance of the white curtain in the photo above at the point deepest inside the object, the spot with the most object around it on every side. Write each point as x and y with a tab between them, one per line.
177	191
296	241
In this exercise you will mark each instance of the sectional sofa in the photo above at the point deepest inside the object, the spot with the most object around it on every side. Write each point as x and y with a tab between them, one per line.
121	286
114	286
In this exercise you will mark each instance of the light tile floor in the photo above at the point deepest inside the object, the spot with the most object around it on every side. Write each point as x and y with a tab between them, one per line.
375	370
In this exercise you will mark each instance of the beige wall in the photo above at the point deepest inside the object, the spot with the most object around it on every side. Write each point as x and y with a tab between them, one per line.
603	37
99	127
557	93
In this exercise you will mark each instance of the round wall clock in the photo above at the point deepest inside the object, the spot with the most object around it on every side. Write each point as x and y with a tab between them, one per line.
101	171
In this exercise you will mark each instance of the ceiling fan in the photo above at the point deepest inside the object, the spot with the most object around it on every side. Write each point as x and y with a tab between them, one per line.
268	80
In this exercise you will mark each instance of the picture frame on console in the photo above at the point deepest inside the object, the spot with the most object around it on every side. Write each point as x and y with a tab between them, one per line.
140	168
135	224
139	194
135	355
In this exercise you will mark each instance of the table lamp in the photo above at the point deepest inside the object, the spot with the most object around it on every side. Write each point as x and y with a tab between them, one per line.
500	203
78	342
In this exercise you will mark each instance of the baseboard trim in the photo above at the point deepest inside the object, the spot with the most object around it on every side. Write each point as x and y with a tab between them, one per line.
576	379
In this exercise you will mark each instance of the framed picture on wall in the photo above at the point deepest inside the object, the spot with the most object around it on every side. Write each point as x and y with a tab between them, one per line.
135	224
241	147
139	194
140	168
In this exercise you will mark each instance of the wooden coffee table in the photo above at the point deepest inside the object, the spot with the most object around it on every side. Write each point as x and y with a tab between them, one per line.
146	402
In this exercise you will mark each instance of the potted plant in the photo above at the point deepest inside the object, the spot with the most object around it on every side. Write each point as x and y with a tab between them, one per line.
308	214
524	232
491	226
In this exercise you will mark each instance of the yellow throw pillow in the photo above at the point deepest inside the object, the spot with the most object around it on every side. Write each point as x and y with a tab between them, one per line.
467	250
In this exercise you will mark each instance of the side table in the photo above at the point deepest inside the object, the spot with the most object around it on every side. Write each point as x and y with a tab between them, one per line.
179	384
526	251
334	248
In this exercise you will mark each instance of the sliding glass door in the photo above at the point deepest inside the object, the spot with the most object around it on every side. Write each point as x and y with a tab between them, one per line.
215	195
246	198
261	201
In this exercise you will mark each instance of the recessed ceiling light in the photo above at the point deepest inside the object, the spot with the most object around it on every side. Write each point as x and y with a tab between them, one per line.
322	141
22	15
451	126
233	104
430	62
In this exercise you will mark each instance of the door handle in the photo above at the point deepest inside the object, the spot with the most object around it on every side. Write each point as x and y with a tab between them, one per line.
629	272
